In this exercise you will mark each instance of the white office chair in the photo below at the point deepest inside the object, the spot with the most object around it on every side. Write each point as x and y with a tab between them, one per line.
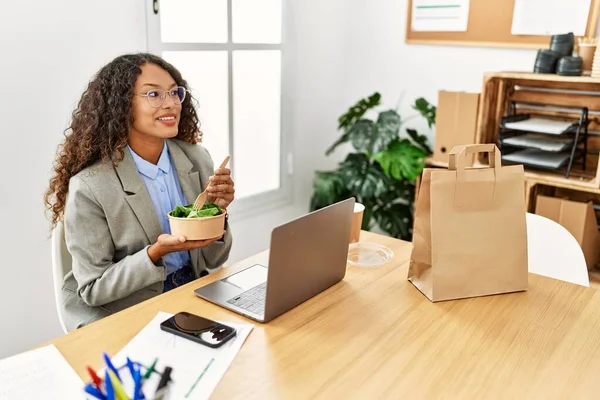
554	252
61	265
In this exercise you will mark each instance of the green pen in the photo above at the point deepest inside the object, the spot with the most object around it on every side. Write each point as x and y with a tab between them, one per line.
150	370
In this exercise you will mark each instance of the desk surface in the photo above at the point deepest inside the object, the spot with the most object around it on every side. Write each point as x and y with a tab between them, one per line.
375	334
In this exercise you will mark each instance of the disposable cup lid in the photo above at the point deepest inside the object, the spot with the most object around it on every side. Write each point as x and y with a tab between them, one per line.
369	255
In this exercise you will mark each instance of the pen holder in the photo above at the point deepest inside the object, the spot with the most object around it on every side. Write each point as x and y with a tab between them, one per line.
127	382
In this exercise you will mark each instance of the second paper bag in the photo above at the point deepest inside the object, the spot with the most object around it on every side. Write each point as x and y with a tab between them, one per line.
470	233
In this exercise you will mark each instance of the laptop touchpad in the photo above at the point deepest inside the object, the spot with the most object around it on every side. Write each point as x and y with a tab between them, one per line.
248	278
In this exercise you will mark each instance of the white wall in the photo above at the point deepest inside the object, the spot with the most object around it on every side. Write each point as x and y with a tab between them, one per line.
319	42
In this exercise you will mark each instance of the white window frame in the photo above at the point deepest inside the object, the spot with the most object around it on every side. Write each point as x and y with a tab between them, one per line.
262	202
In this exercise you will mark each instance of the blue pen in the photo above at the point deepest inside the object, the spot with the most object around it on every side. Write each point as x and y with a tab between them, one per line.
130	366
92	390
110	365
110	391
136	384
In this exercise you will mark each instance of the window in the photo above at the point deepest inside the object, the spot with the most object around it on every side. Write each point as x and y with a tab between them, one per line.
231	54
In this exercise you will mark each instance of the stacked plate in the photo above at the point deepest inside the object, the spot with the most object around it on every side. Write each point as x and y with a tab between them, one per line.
563	44
545	62
570	66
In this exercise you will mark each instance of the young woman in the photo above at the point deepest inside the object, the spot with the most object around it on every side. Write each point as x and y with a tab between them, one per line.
130	156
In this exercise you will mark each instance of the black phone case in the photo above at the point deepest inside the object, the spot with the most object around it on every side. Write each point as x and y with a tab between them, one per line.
198	340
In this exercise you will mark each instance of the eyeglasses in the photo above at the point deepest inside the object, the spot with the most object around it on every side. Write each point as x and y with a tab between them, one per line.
156	97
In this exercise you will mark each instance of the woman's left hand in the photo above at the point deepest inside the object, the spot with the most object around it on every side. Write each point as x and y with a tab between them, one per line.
220	188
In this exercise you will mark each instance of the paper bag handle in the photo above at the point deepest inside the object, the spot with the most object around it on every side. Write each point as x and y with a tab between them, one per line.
458	153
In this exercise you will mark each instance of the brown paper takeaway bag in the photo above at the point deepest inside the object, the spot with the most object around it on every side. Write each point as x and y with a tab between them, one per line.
470	234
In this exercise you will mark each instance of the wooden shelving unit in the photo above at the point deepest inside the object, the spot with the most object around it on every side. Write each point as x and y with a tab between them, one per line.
543	94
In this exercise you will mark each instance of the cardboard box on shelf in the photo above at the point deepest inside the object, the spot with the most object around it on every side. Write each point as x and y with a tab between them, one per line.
578	218
456	123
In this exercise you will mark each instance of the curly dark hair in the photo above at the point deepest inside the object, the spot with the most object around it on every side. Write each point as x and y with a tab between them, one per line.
100	124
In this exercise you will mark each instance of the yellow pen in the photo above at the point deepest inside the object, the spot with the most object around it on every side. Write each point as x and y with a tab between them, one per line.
116	383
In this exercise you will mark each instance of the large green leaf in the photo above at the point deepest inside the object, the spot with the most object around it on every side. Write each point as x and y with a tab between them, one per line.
363	178
401	160
370	137
396	219
328	188
419	140
426	110
359	109
366	135
363	134
388	127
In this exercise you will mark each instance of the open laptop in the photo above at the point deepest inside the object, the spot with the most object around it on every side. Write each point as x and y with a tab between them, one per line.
307	255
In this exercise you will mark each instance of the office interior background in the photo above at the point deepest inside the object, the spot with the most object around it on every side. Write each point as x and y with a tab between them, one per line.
334	53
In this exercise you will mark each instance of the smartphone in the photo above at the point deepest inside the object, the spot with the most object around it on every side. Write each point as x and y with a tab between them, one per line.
198	329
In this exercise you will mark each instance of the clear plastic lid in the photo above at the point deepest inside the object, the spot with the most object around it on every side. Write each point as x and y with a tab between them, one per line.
368	255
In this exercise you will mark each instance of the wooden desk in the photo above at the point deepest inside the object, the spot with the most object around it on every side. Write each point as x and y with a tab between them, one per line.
376	336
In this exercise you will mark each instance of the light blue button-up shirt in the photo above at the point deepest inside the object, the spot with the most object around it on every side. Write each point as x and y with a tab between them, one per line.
165	192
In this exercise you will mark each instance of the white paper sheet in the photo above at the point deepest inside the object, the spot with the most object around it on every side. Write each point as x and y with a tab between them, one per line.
537	157
541	125
39	374
440	15
541	141
550	17
197	369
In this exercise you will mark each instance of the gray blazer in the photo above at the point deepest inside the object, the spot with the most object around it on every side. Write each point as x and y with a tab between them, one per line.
110	223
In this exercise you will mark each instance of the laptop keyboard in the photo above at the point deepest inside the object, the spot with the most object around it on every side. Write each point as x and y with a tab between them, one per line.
252	300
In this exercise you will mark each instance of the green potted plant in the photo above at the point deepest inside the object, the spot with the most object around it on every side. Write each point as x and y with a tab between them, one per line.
381	171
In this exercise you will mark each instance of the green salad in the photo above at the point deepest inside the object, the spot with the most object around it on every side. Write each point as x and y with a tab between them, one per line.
207	210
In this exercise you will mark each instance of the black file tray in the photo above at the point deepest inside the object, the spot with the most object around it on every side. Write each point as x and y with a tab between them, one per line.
541	141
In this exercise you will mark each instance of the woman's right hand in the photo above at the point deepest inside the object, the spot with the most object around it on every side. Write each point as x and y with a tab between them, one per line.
166	244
